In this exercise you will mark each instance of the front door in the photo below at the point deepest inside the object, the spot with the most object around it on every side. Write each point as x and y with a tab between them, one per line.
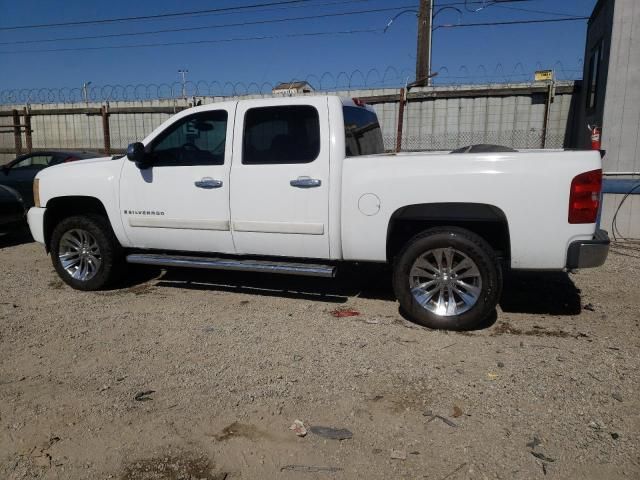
280	178
181	202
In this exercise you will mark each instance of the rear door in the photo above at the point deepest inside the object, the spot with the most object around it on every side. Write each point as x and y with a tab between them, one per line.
280	178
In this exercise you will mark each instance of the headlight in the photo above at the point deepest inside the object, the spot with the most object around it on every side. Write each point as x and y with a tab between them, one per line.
36	192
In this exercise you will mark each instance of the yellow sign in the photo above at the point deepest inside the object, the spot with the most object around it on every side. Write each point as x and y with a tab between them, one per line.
542	75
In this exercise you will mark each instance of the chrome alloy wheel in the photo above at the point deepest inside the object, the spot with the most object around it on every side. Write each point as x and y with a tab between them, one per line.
79	254
445	281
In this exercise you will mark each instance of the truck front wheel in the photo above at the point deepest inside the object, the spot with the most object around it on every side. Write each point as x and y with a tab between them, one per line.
447	278
85	252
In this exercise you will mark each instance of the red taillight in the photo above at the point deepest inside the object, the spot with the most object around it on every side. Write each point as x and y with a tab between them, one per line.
358	102
584	199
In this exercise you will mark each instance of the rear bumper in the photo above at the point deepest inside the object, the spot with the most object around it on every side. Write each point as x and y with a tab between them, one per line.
589	253
35	217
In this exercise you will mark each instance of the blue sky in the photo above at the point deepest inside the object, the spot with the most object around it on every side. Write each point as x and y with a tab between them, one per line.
459	54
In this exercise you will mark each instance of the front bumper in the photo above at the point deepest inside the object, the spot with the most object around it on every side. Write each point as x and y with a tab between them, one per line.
35	217
589	253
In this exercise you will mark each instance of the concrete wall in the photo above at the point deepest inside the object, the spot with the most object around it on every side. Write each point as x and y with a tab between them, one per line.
598	33
627	224
436	118
615	23
84	132
451	117
514	120
621	126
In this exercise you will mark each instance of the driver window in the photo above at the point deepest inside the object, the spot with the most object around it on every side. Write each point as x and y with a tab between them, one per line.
198	139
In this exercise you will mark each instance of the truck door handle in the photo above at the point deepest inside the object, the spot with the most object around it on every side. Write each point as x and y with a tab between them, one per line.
305	182
208	183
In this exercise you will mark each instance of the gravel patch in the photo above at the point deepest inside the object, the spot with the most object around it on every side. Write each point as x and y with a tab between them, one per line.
191	374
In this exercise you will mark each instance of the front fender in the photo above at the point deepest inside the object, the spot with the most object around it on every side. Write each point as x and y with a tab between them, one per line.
97	179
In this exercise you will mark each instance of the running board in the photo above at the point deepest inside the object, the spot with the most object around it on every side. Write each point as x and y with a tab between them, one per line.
305	269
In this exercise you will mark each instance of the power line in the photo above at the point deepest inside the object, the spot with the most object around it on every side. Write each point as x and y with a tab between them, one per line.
195	42
479	2
273	8
546	12
273	37
501	4
185	29
512	22
152	17
208	11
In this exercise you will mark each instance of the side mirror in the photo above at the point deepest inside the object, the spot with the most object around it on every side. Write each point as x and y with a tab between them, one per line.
135	153
5	169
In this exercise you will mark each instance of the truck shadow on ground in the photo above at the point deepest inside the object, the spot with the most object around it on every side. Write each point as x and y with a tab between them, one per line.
365	282
551	293
17	236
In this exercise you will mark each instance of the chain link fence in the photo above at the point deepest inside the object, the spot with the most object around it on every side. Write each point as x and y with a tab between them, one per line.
518	139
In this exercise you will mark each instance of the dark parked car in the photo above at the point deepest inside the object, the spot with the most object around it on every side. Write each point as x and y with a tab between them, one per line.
12	208
19	173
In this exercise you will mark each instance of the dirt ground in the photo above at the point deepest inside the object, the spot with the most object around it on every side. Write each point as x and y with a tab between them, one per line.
189	374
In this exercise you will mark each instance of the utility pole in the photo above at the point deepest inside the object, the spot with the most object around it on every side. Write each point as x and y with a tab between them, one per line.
423	56
551	93
184	82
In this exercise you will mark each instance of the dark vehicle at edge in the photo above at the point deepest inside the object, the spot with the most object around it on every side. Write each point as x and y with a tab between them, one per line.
20	172
12	208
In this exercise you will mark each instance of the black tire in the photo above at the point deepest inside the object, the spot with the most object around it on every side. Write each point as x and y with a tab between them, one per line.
471	245
111	253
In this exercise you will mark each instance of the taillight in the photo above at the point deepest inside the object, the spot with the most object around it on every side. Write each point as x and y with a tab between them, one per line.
584	199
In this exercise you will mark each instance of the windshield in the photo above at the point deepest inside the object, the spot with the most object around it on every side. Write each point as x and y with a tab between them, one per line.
362	132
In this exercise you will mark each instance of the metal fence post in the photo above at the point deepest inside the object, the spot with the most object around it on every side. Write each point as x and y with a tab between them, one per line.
105	130
547	112
400	121
16	131
27	130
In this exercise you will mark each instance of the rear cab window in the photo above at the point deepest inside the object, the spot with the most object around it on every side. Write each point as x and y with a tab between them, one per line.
363	135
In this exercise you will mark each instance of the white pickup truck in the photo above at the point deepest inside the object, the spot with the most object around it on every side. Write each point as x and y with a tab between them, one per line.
297	185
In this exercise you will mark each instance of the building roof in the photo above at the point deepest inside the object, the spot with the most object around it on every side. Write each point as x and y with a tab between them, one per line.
289	85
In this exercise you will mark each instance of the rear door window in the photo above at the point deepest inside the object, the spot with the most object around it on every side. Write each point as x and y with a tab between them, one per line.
277	135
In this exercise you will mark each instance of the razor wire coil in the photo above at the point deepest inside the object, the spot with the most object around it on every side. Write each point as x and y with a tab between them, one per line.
388	77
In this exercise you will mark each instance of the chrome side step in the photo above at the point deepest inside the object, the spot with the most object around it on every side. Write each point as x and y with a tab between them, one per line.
240	265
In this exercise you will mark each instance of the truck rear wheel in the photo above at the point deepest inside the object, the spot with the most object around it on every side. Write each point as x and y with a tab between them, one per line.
85	252
447	278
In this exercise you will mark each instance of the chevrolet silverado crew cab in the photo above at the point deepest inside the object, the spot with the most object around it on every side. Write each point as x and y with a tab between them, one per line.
300	184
